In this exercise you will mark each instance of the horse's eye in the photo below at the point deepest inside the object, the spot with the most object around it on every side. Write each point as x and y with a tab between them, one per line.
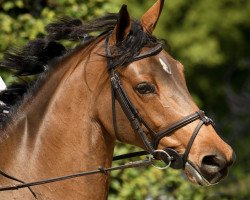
145	88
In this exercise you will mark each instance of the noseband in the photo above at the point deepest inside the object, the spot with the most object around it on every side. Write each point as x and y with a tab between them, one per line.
169	155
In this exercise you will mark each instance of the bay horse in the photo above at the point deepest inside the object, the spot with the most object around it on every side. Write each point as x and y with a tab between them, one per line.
120	85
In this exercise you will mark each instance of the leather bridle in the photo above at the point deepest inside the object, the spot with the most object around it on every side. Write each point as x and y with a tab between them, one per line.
168	155
171	157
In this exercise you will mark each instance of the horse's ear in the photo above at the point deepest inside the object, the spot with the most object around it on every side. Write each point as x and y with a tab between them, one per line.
122	27
150	18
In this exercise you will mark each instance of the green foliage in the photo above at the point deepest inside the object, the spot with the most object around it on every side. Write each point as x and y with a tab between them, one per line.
21	21
209	37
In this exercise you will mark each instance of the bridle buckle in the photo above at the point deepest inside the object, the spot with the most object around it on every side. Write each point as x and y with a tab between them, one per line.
207	121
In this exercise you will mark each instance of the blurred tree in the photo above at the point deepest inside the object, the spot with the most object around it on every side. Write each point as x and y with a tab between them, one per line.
211	38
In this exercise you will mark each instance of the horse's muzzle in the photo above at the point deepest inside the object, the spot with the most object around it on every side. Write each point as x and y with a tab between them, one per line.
212	170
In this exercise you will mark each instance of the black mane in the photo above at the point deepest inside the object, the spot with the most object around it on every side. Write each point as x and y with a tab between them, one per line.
35	58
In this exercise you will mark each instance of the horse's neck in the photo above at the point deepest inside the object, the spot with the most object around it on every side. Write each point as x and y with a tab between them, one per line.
56	133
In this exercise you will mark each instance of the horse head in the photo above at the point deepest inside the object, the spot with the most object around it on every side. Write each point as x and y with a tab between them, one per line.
156	111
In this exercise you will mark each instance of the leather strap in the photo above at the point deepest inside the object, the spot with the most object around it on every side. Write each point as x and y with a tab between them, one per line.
130	111
18	180
183	122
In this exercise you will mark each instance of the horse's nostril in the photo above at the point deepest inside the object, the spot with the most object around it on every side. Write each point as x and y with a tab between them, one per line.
213	163
214	167
209	160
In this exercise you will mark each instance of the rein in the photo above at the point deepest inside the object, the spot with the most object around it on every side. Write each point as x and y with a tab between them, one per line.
135	164
168	155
